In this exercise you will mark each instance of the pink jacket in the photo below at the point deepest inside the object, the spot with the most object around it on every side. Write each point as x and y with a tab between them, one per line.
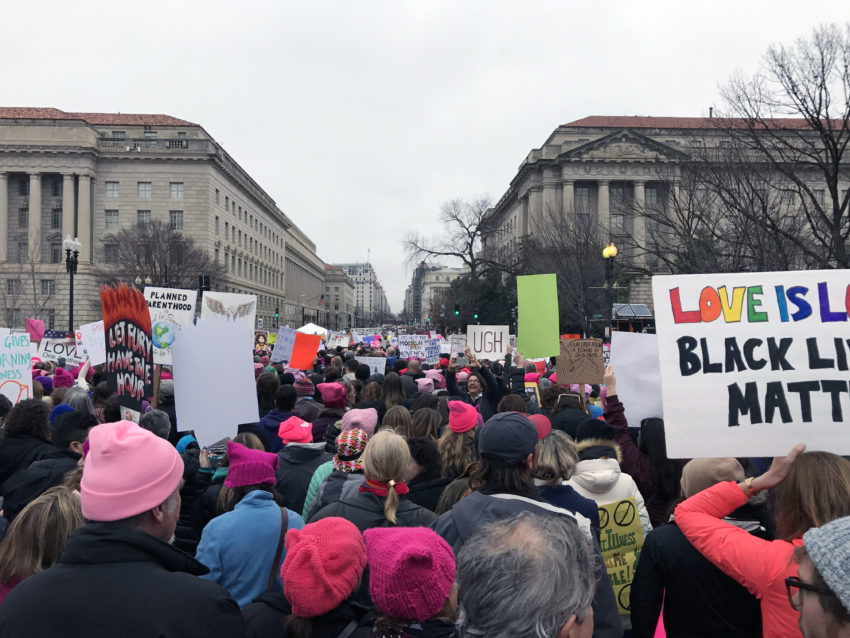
759	565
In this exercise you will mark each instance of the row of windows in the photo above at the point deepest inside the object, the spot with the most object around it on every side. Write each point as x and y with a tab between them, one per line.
144	190
13	287
234	235
112	218
248	218
55	218
21	254
55	187
148	135
15	317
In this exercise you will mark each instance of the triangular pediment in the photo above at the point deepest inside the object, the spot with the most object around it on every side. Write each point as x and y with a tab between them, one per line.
623	146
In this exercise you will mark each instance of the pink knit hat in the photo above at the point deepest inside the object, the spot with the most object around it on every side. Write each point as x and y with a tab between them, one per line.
62	378
249	467
128	471
323	565
295	430
334	395
258	369
462	416
437	377
462	377
411	571
425	386
366	419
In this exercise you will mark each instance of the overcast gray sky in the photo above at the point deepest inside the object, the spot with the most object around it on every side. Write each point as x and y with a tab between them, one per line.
360	118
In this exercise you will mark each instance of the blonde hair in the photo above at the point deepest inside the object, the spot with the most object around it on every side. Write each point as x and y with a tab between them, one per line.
38	534
457	451
556	458
387	459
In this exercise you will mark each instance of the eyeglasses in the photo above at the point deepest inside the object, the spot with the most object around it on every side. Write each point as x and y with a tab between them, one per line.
793	585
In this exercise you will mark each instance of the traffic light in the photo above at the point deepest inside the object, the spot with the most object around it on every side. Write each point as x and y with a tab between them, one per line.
276	313
429	319
457	309
475	316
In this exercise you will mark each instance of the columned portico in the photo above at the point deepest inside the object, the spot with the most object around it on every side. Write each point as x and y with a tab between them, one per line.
68	205
34	214
568	195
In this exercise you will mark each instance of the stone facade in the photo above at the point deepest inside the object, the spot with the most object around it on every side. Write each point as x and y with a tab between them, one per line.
339	299
90	174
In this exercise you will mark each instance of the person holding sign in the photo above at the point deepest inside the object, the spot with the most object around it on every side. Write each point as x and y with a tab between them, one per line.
812	490
482	389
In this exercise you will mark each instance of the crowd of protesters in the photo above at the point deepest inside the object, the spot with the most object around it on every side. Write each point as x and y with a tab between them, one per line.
425	501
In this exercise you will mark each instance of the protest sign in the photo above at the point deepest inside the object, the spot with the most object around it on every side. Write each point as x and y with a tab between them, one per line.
606	349
230	306
35	329
129	349
79	347
214	404
752	363
412	346
170	309
580	361
355	336
621	539
284	341
338	340
261	340
532	395
635	359
15	366
432	350
304	351
488	342
272	338
537	315
93	339
56	345
457	344
377	365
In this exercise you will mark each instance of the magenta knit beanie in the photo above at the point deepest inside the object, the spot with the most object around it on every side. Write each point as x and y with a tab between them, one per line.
62	378
249	467
323	565
411	571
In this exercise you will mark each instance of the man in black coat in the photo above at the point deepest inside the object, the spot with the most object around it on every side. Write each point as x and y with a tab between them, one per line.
298	460
118	574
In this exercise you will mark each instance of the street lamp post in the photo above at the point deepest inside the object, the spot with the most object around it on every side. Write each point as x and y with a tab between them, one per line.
609	253
72	252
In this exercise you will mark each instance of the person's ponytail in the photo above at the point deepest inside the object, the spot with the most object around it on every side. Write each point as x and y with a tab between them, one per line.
391	502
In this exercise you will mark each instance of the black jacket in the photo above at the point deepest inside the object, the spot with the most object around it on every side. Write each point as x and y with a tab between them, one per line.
18	451
266	615
427	491
568	420
327	417
699	599
29	483
113	581
366	510
297	464
487	401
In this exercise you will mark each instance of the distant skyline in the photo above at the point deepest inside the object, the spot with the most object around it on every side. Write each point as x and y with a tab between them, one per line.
360	119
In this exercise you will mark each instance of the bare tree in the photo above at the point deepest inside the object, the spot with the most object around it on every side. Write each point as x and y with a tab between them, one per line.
155	250
29	289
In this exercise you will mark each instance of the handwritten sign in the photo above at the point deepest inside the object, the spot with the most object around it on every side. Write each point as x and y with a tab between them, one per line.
752	363
15	365
170	309
53	349
621	540
457	343
283	345
580	361
488	342
377	365
93	339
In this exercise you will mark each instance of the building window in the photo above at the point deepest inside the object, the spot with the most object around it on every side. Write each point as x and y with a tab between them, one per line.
150	135
110	253
216	226
56	218
23	217
582	198
233	209
618	224
56	188
181	135
51	319
13	287
55	252
216	197
144	189
176	190
651	195
24	187
23	252
819	194
48	287
176	219
112	189
226	202
118	135
143	217
111	217
216	255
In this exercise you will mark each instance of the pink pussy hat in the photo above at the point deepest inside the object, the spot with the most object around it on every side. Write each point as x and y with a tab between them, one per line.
128	471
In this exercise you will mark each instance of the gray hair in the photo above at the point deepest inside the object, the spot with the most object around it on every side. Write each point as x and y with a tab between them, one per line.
79	400
524	576
157	422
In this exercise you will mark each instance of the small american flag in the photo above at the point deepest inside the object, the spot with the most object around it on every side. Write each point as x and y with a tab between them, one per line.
58	334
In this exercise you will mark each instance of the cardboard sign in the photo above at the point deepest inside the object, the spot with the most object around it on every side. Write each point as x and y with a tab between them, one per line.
621	540
53	349
284	341
752	363
93	339
129	348
377	365
261	340
457	344
488	342
229	306
214	404
304	351
15	365
580	361
170	309
635	360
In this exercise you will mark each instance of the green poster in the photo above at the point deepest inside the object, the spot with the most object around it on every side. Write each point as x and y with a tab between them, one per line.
537	316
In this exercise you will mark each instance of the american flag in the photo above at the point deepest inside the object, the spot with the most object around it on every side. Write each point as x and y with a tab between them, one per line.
58	334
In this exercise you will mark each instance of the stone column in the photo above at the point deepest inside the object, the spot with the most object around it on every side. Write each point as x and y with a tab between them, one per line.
523	224
639	222
568	197
67	205
4	217
603	209
34	232
84	219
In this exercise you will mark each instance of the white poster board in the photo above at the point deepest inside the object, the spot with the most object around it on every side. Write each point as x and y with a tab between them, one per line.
15	365
419	346
50	349
94	341
377	365
753	363
338	339
214	404
283	345
634	356
488	342
230	306
170	309
457	344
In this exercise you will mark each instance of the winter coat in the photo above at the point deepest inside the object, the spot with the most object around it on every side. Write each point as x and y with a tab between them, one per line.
18	451
366	510
567	497
337	486
408	382
298	462
27	484
241	562
205	507
266	616
307	409
568	420
427	491
759	565
477	509
486	401
119	581
698	599
270	424
431	628
318	478
327	417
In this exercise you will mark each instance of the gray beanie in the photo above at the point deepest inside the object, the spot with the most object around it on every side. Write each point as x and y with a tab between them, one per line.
829	548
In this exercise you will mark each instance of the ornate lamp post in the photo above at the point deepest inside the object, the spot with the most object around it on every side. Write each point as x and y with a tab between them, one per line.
72	252
609	253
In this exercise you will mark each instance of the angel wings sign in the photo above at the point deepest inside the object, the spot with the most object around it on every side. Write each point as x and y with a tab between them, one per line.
229	306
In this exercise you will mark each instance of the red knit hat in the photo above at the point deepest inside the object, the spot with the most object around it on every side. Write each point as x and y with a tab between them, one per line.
323	565
334	395
295	430
411	571
462	416
249	467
